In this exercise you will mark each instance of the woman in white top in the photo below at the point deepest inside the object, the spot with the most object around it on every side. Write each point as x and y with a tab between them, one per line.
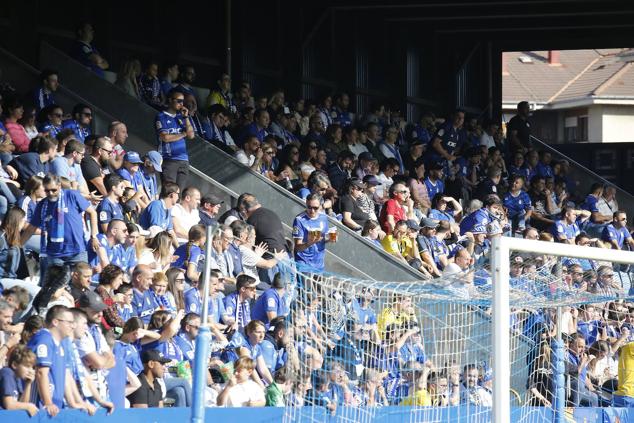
241	390
158	252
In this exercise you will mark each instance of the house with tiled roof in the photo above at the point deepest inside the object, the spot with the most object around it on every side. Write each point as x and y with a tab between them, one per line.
575	95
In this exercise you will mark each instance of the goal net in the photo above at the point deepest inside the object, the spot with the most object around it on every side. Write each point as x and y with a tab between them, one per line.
459	348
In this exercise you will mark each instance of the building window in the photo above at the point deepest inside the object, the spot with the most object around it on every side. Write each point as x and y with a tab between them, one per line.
582	128
570	129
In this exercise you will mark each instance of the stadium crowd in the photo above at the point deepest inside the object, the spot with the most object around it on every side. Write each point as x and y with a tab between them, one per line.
102	251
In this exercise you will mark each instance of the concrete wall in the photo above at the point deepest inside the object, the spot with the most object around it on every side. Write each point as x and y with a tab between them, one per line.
618	123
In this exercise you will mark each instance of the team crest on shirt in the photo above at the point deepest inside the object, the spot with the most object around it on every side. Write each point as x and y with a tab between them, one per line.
271	302
103	215
158	124
41	351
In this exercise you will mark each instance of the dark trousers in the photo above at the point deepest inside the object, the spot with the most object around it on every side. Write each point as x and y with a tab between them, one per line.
176	171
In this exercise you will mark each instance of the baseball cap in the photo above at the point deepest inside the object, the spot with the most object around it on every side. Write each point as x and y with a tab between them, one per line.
156	159
426	222
91	300
211	199
416	142
132	157
411	224
371	180
153	355
357	183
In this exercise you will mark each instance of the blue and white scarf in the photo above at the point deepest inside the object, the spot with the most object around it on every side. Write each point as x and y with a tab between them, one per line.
56	216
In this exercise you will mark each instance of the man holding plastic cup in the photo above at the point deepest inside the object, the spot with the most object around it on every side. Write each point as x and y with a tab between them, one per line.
311	232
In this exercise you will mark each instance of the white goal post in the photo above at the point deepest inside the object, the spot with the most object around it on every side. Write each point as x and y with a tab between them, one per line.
502	247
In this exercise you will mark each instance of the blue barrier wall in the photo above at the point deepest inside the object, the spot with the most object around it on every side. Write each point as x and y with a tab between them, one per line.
271	414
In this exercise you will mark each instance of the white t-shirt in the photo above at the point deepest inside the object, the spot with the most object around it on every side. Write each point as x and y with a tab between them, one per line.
242	393
249	262
487	140
185	219
242	157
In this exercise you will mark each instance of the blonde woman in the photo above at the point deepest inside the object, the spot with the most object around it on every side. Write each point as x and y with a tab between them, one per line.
158	252
127	79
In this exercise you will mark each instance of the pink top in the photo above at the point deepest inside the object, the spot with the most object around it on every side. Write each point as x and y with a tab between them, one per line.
18	136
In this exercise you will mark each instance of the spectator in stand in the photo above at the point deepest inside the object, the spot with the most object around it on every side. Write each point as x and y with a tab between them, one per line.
52	117
434	181
390	150
353	216
150	394
222	95
616	233
581	392
68	166
216	133
518	167
238	304
487	139
110	208
16	381
172	128
118	133
170	75
594	226
128	78
44	95
258	128
365	201
491	213
95	166
184	86
272	303
334	137
152	168
185	214
158	213
316	132
310	233
241	390
340	171
13	111
252	255
489	185
567	228
51	371
63	242
209	208
189	255
150	86
415	152
80	280
343	117
28	121
400	206
607	204
80	123
134	178
544	167
34	163
84	52
110	279
518	204
110	246
10	253
471	393
33	193
251	154
142	302
351	138
518	130
448	140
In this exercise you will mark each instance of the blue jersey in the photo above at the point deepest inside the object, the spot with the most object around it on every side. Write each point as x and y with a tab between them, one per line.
49	353
421	133
10	385
477	220
156	214
561	230
313	256
114	253
521	171
269	301
52	130
516	204
241	312
215	305
590	204
186	254
610	233
343	117
187	347
446	215
27	204
27	165
143	305
169	349
82	52
131	356
171	124
72	240
117	377
135	180
81	132
150	184
364	315
544	170
253	130
107	211
434	188
451	139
